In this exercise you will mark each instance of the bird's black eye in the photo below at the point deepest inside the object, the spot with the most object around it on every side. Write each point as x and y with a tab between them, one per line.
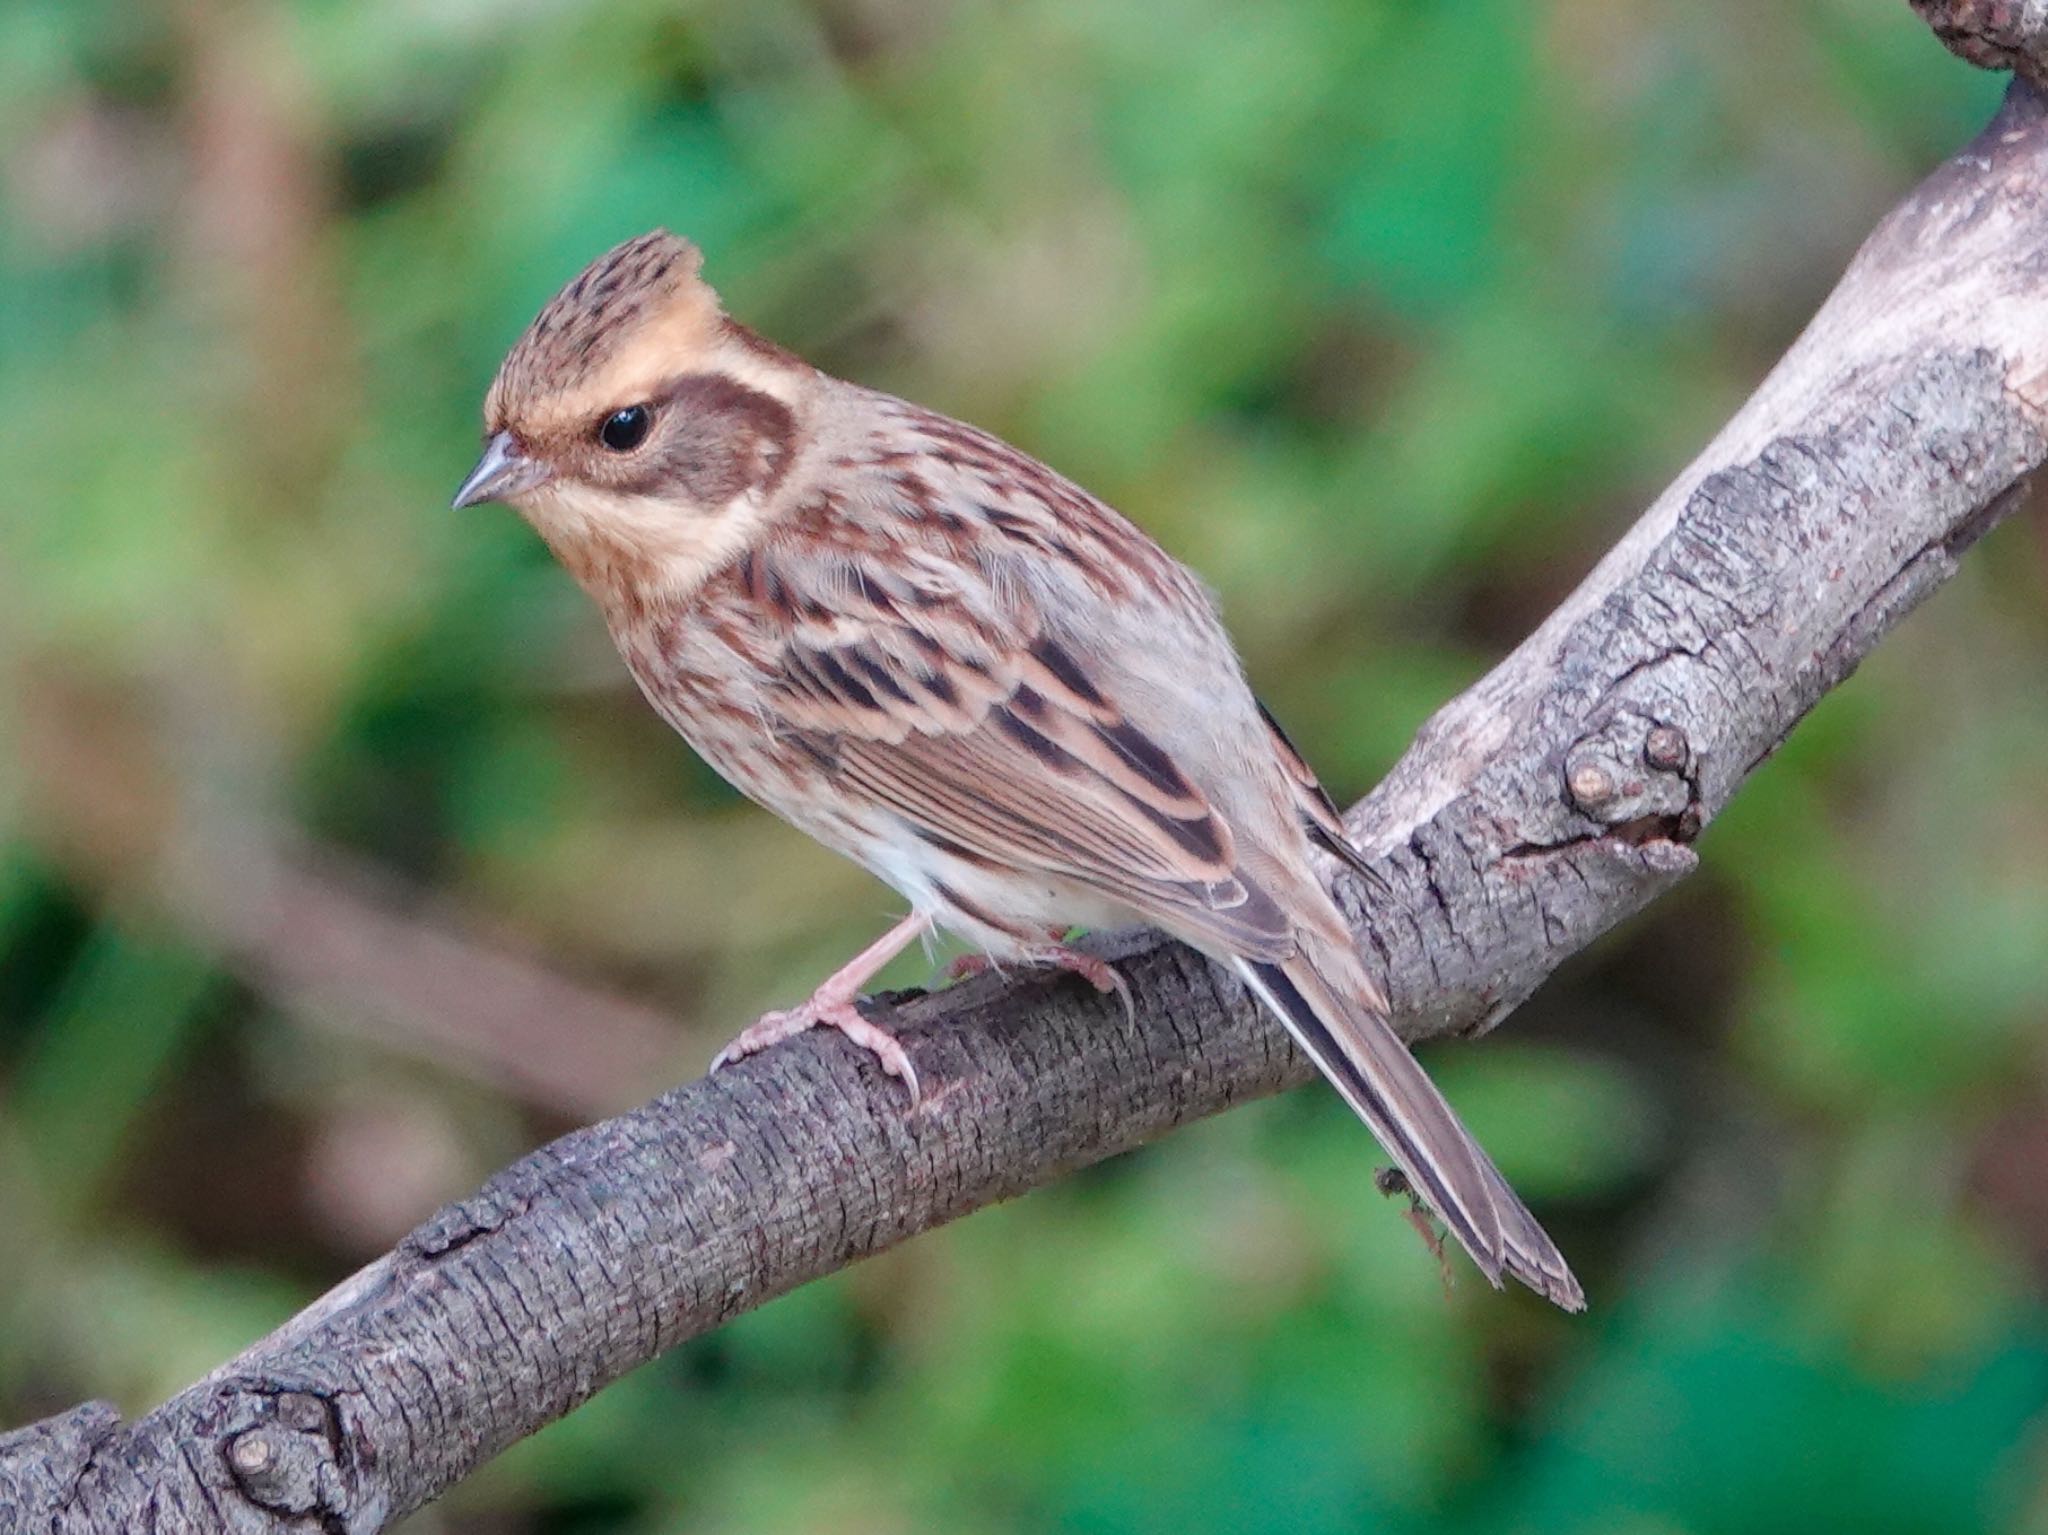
624	430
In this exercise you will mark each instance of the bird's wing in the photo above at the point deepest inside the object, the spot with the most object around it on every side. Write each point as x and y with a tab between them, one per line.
960	713
1320	816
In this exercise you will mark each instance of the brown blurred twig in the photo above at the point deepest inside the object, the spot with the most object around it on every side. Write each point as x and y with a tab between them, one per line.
1553	800
341	943
332	938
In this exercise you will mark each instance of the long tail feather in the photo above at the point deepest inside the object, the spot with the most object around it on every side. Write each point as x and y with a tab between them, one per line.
1345	1033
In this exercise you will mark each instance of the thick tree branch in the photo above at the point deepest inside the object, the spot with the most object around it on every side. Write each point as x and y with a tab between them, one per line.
1551	801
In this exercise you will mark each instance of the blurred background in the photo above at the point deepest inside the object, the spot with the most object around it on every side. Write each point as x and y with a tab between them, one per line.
339	864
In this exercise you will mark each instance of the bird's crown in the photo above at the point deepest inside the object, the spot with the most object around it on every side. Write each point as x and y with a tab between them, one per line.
638	313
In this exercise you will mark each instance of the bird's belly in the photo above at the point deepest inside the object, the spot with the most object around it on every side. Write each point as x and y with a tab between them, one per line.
716	712
997	908
775	777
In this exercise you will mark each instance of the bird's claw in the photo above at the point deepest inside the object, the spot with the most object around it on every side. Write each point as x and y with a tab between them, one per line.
831	1013
1093	969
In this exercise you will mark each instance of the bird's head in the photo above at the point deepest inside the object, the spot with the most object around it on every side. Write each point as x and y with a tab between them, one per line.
640	430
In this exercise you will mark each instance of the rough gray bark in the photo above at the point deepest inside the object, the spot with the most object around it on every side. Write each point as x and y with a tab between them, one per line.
1551	801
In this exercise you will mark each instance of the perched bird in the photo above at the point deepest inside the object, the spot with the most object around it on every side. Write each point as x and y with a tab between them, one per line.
942	659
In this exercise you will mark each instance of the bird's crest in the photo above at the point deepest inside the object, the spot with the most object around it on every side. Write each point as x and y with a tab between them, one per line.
633	316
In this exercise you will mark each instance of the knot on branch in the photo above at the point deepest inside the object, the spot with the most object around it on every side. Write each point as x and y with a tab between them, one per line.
1635	773
1993	34
456	1225
289	1456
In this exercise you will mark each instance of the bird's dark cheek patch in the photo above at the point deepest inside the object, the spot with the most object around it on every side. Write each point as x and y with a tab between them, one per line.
715	440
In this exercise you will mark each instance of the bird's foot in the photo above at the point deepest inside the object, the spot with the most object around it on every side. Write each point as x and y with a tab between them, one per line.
1093	969
829	1011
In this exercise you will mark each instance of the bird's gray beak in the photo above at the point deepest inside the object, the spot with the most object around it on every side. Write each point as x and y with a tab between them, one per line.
502	473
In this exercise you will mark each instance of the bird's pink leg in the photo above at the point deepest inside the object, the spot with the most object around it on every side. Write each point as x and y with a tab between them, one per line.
832	1006
1097	972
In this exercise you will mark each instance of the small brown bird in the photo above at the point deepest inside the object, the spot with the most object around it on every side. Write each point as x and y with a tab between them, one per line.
937	656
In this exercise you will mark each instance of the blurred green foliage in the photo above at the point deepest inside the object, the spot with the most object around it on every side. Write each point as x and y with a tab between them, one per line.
1388	317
